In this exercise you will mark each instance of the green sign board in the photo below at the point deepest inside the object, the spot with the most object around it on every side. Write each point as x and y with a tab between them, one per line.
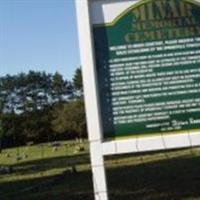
148	69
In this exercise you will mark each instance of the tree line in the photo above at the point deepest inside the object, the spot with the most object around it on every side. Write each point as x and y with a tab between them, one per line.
40	107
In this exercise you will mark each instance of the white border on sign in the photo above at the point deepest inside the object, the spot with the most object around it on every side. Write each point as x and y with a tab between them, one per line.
98	147
154	143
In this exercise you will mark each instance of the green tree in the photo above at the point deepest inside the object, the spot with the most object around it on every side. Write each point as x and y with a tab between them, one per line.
36	126
30	103
70	119
58	87
78	82
1	135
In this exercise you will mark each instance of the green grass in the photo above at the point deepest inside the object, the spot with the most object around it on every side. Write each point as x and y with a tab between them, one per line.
161	175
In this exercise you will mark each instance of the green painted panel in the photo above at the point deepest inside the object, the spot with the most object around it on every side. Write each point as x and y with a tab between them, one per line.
148	69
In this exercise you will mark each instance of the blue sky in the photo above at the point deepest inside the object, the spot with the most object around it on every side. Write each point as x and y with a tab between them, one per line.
38	35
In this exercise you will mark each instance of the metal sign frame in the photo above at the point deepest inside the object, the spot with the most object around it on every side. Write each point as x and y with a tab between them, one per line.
98	147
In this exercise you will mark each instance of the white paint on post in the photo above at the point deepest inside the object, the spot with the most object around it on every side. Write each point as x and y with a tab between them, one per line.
91	99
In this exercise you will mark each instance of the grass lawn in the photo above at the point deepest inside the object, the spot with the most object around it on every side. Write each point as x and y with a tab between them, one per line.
39	172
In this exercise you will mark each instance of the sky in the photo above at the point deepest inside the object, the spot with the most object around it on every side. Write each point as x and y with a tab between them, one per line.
38	35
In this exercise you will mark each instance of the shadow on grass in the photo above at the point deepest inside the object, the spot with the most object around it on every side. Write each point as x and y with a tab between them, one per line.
169	179
176	179
59	187
41	165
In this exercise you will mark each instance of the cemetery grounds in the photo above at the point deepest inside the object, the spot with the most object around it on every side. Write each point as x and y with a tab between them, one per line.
61	170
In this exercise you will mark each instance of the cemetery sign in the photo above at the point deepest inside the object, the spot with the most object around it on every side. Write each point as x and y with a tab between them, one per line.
141	75
148	68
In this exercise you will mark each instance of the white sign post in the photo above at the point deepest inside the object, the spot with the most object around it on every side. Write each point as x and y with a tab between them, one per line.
174	129
91	100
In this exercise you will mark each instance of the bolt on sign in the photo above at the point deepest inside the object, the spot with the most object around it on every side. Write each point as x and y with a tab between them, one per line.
141	72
